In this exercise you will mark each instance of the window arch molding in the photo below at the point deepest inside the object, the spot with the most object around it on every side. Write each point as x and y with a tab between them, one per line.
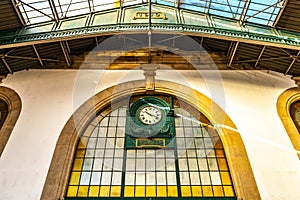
13	101
284	102
60	167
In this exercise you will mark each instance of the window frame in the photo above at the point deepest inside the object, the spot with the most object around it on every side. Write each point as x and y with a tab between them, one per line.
14	105
242	177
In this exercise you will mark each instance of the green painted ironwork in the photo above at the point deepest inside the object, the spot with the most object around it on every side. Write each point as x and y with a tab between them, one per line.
157	135
124	20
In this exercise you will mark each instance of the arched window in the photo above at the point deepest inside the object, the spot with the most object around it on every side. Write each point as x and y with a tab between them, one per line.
10	108
295	113
71	173
105	165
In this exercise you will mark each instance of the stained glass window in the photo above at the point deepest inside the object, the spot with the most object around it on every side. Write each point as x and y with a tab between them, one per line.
195	167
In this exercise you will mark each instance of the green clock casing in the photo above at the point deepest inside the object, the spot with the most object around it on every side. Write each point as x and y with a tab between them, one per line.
149	123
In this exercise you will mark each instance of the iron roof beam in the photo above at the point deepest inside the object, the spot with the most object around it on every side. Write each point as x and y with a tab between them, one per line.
38	56
233	54
18	12
260	55
53	9
280	13
6	65
295	58
65	51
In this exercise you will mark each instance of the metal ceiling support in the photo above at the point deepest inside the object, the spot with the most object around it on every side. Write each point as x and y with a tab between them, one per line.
91	5
53	9
230	8
36	9
65	52
292	63
38	56
280	13
244	12
208	7
29	58
233	54
263	59
6	65
261	11
260	55
18	12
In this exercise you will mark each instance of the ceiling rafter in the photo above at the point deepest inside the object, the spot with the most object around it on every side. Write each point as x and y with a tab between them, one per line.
6	65
244	11
53	9
280	13
260	55
261	11
36	10
22	20
38	56
292	63
65	51
233	54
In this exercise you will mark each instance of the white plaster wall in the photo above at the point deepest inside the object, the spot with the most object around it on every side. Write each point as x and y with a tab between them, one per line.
49	97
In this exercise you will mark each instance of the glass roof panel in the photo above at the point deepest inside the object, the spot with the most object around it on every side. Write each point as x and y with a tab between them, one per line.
255	11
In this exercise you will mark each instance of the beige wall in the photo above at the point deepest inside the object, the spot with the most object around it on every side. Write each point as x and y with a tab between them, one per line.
50	97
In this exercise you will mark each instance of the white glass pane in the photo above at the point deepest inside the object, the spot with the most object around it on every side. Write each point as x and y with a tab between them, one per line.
201	153
130	165
110	143
160	153
205	179
95	132
140	164
101	142
215	178
107	164
111	132
104	122
179	132
140	153
121	121
85	178
113	121
161	178
182	164
89	153
199	143
195	180
171	178
170	163
117	178
121	132
99	153
169	153
119	153
129	178
97	164
202	162
96	177
188	132
91	143
160	164
193	165
150	178
184	178
118	164
150	165
150	153
212	163
191	153
180	142
102	131
106	178
109	153
140	178
119	142
130	153
87	164
122	111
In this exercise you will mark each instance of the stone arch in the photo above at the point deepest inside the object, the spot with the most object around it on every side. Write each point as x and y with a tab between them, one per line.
241	172
14	105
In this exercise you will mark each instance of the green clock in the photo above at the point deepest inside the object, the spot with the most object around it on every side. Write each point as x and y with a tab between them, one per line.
149	123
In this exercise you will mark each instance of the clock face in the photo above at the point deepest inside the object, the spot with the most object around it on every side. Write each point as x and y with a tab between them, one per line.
150	115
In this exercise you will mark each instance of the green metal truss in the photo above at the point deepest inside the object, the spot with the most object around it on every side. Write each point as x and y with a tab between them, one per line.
132	19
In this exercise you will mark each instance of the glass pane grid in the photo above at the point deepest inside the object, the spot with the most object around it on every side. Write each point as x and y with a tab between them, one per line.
196	167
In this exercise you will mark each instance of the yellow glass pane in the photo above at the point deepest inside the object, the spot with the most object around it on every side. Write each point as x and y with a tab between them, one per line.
83	191
196	191
80	152
218	191
207	191
225	178
117	4
77	164
172	191
82	143
151	191
220	153
74	180
228	190
129	191
161	191
139	191
104	191
72	191
222	164
186	191
94	191
115	191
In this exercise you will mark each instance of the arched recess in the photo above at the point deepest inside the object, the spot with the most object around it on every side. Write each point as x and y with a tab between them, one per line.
13	102
284	102
241	172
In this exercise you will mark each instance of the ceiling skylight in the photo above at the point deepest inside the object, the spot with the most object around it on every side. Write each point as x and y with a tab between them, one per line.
255	11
